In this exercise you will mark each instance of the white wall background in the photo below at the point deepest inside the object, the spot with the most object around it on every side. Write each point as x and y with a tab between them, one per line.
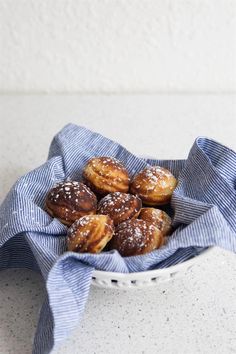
117	46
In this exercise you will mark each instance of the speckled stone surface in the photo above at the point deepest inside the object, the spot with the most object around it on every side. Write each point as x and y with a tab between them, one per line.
21	295
193	314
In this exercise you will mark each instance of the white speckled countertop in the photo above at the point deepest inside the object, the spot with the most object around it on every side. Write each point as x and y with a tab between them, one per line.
193	314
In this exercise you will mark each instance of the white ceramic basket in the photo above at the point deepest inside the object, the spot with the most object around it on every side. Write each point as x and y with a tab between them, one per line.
104	279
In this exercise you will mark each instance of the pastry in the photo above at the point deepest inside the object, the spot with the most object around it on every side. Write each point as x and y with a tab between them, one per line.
90	233
135	237
70	200
120	206
154	185
158	218
106	175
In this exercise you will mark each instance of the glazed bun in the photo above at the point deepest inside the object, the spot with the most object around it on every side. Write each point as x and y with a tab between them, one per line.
68	201
135	237
120	206
154	185
106	175
158	218
90	233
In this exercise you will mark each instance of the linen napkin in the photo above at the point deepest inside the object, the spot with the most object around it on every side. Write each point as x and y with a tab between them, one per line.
204	214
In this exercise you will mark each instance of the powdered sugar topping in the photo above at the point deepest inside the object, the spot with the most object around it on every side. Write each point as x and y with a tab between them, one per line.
119	204
134	234
67	190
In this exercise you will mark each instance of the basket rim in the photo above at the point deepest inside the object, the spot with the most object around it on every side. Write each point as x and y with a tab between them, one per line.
151	273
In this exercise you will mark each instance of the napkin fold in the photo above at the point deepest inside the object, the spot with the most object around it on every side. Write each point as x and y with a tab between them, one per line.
204	205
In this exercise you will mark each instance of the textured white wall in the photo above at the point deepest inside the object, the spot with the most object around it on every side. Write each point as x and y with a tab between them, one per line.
117	45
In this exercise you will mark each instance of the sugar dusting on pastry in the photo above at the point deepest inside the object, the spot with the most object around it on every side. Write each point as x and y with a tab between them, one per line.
90	233
120	206
66	190
135	237
158	218
154	185
70	200
156	175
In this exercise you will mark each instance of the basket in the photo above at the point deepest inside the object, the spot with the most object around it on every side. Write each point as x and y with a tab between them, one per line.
104	279
136	280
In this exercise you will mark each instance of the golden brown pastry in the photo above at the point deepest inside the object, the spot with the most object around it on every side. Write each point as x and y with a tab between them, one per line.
154	185
120	206
106	175
158	218
70	200
135	237
90	233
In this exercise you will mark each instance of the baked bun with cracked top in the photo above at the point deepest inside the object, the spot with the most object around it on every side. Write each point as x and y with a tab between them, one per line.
106	175
158	218
69	201
120	206
136	237
90	233
154	185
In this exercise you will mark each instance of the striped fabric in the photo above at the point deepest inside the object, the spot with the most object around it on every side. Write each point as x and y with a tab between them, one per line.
204	205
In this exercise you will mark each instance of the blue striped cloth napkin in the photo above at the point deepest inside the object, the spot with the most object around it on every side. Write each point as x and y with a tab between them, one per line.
204	205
